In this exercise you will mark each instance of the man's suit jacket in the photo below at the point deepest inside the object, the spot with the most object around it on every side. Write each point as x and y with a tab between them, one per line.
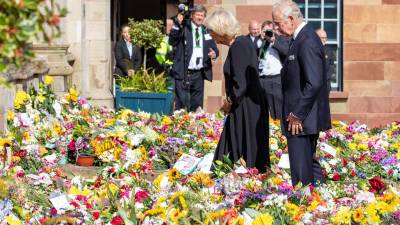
122	58
255	43
304	85
281	44
330	64
176	40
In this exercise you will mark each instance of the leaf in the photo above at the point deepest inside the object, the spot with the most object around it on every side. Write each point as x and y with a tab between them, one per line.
124	216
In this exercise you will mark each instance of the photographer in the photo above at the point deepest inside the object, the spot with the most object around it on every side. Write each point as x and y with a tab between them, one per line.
194	50
270	66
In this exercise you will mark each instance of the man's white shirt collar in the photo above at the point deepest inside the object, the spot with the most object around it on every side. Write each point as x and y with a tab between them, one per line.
298	29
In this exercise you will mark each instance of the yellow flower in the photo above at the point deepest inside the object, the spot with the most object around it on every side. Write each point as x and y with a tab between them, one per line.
12	220
42	150
72	95
175	214
10	115
3	189
166	120
314	204
358	215
20	99
5	141
362	147
41	98
202	179
352	146
342	217
75	191
276	180
173	174
263	219
48	80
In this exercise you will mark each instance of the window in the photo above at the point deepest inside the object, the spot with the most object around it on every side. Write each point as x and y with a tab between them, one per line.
326	14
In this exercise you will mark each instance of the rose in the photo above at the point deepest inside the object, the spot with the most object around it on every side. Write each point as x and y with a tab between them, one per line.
336	177
96	215
71	146
377	185
140	196
117	221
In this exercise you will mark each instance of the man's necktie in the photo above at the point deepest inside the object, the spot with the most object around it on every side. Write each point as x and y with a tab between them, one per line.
291	43
197	36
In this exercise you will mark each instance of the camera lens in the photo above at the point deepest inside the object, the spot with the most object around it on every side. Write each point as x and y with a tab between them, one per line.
269	33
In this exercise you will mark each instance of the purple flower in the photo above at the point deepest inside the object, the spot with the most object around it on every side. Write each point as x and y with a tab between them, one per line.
174	141
396	215
389	161
379	155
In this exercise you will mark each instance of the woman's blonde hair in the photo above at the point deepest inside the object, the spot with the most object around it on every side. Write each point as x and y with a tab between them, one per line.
223	23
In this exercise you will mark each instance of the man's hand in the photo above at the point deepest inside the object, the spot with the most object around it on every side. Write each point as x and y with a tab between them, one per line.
294	126
131	73
212	54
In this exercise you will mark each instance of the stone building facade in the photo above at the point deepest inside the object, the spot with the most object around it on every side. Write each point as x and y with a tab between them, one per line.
370	40
371	58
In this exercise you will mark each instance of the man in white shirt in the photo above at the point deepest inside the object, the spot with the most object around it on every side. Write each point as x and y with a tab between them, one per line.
194	50
254	34
270	67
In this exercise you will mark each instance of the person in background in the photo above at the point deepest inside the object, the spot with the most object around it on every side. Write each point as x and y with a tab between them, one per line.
128	57
194	49
254	35
329	57
164	54
305	94
270	66
246	133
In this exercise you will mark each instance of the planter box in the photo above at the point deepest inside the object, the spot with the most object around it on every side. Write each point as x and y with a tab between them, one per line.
146	102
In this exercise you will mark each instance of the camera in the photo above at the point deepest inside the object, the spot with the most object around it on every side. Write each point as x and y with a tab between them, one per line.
269	33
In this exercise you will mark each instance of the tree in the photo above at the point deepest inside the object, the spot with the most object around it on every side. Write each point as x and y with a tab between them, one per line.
21	21
146	34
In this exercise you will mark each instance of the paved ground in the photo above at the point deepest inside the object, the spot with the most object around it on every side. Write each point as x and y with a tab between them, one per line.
86	172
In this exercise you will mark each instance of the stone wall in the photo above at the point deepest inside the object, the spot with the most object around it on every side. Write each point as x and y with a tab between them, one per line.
24	78
371	61
87	30
371	58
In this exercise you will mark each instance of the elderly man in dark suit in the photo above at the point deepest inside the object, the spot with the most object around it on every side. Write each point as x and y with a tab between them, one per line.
305	94
194	50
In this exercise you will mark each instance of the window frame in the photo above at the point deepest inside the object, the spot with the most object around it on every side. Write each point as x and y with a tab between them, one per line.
338	85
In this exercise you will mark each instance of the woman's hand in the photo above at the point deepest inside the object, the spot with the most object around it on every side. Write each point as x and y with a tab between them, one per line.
226	106
131	73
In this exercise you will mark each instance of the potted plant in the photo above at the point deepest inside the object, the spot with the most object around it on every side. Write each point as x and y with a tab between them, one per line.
85	155
145	90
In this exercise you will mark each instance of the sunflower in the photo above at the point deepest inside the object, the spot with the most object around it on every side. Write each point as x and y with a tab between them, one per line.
173	175
358	215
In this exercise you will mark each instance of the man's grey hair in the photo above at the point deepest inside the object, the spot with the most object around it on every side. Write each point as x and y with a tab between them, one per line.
199	8
288	8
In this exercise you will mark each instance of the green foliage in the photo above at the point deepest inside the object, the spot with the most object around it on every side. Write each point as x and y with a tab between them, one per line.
21	21
223	167
147	34
144	81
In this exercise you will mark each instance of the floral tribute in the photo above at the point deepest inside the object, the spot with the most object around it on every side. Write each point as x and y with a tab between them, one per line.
139	181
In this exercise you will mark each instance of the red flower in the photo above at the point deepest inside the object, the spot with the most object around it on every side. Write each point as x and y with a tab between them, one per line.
336	177
390	172
74	204
55	20
71	146
111	170
353	173
117	221
96	215
344	162
53	211
377	185
140	196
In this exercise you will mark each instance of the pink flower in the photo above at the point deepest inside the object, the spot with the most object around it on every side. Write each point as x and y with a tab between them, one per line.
140	196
